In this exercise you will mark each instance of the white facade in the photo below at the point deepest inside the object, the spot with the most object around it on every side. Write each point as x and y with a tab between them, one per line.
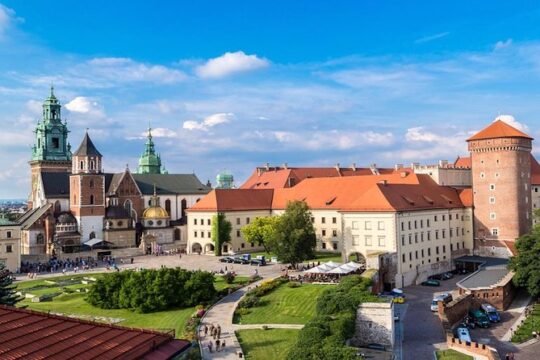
89	225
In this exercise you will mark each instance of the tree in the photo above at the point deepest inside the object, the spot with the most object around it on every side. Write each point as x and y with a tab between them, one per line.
260	231
221	232
7	290
526	263
294	238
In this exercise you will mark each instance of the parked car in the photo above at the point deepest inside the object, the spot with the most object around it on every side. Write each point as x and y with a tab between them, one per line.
241	260
463	334
436	277
431	282
491	312
258	262
226	259
479	318
447	276
446	297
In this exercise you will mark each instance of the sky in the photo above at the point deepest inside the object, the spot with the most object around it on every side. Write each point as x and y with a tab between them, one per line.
228	86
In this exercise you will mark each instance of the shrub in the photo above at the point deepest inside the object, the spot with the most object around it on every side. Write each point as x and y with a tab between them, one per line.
293	284
242	311
229	277
249	301
267	286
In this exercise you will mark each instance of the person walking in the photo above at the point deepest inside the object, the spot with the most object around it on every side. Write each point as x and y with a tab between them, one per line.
218	331
217	344
205	330
210	346
222	344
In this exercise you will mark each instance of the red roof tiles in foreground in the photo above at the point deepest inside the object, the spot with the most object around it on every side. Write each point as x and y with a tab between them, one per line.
27	334
498	129
466	196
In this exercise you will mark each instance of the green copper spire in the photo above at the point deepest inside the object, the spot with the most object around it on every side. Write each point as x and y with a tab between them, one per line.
51	134
149	162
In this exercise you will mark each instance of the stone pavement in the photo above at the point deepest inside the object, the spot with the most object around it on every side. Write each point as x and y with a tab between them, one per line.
222	314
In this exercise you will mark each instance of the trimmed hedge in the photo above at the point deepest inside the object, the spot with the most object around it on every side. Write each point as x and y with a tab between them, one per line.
152	290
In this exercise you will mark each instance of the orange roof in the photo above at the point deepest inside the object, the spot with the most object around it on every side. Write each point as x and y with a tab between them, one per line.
535	171
466	196
235	200
281	177
498	129
463	162
392	192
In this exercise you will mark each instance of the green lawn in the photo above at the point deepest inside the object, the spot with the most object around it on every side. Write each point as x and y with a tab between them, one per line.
531	323
451	354
74	303
271	344
285	305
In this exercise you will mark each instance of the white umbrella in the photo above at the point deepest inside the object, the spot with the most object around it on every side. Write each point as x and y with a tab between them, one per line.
316	270
353	265
339	270
331	264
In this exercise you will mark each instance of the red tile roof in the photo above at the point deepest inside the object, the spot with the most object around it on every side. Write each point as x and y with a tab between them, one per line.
393	192
535	171
466	196
498	129
281	177
463	162
30	334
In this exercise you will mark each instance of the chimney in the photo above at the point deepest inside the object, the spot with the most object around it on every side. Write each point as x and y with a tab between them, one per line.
353	167
374	170
267	166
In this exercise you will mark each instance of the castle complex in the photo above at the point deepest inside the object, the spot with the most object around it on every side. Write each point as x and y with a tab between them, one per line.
417	219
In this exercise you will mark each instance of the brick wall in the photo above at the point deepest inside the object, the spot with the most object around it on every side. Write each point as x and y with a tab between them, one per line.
472	347
374	324
455	311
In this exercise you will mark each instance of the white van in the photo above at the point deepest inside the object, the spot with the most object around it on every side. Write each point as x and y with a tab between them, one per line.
446	297
463	334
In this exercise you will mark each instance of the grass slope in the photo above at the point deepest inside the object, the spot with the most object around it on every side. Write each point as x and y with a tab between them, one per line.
271	344
285	305
531	323
451	354
74	304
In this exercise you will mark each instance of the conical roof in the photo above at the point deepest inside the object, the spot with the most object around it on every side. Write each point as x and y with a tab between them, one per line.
87	148
499	129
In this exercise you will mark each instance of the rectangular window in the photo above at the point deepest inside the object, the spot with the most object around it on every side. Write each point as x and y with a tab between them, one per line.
323	220
381	225
355	225
382	240
416	238
422	252
403	257
334	246
334	220
323	232
495	231
209	234
247	220
237	221
55	143
208	222
435	218
194	221
410	256
429	235
422	237
402	240
237	233
437	251
451	232
415	224
195	234
451	247
324	245
436	234
367	225
444	248
402	226
416	254
8	234
367	239
427	222
443	217
491	186
410	239
444	233
334	233
421	223
202	234
492	216
429	251
9	248
356	240
492	199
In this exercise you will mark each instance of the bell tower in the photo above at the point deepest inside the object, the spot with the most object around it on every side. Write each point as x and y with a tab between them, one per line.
87	190
51	151
150	162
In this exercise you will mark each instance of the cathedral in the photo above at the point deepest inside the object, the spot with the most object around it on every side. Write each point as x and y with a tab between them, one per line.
74	205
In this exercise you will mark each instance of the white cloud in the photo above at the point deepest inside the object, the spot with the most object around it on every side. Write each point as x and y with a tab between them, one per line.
84	108
333	139
7	18
510	120
230	63
420	134
34	106
208	122
81	104
431	37
502	44
162	132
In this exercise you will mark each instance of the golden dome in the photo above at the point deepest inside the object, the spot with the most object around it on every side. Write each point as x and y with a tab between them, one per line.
155	212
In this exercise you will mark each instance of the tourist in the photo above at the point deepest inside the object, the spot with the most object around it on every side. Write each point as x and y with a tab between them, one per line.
217	345
132	260
205	330
210	346
222	345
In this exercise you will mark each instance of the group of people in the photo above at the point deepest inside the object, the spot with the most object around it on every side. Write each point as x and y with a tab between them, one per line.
76	265
310	278
214	332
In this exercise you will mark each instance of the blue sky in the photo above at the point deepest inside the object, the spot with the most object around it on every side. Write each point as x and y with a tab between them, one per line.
233	85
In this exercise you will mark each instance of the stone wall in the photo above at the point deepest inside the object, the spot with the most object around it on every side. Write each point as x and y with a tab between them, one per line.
374	324
455	311
472	347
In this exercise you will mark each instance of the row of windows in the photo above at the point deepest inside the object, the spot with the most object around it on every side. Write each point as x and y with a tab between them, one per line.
195	234
368	240
334	232
368	226
323	220
428	235
415	224
208	222
334	246
422	253
9	248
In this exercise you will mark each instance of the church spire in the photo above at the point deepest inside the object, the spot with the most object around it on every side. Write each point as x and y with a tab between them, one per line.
149	162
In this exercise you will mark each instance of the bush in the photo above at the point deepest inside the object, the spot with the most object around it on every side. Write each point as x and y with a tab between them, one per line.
249	301
229	277
267	286
242	311
293	284
152	290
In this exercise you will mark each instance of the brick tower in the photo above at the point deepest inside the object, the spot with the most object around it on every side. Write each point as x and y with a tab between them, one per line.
501	172
87	190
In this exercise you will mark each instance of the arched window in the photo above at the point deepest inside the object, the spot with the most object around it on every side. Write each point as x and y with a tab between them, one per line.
149	202
92	235
91	164
168	206
128	206
183	204
91	199
81	165
57	207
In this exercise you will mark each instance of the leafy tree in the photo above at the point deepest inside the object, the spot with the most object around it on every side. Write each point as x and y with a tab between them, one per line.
221	232
294	238
526	263
260	231
7	290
